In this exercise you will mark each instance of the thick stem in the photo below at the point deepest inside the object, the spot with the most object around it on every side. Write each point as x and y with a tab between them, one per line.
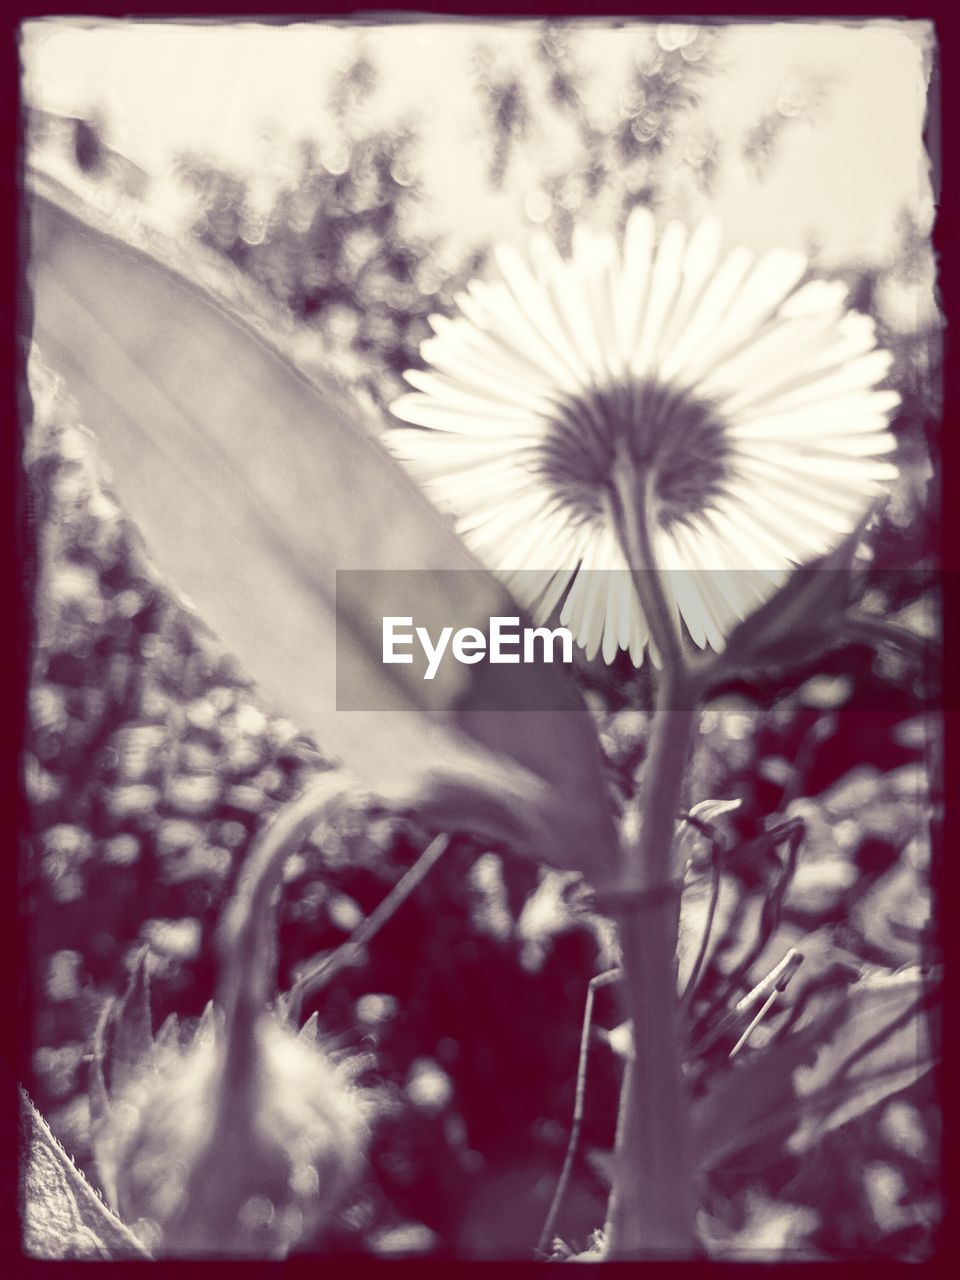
652	1204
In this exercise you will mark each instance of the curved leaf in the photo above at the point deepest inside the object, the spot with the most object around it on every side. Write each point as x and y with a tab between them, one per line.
253	486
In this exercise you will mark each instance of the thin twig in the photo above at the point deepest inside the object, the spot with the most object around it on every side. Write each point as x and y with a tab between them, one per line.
863	626
690	988
793	832
758	1017
316	977
599	980
775	980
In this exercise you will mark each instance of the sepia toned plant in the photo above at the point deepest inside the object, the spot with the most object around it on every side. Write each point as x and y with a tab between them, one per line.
202	1165
245	1139
679	449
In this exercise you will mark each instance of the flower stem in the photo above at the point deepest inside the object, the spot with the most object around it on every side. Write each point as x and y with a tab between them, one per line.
247	933
632	510
652	1204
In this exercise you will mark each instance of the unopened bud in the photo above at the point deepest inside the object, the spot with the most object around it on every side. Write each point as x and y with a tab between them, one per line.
204	1166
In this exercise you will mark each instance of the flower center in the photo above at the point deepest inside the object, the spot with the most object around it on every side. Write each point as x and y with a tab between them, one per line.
670	435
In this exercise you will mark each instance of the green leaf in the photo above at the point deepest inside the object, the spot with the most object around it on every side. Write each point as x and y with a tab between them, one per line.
61	1214
253	487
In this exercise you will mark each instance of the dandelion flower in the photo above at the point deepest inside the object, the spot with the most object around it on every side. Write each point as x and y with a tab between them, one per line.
742	399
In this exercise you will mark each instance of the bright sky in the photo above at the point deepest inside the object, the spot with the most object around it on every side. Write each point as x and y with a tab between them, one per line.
240	90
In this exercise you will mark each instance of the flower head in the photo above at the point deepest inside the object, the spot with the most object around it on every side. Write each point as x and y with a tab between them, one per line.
741	401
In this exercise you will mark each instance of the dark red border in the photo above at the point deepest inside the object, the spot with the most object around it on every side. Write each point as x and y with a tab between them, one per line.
15	623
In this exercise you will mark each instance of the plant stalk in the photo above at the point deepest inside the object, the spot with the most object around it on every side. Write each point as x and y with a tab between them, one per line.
632	509
247	934
652	1204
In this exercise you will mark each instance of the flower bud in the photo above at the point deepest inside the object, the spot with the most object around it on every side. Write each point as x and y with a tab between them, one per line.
209	1161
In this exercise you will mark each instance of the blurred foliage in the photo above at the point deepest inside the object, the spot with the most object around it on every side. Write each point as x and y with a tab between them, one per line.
332	240
151	763
593	156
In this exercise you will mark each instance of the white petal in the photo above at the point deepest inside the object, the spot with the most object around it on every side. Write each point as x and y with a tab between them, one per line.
423	411
544	542
789	353
704	613
850	408
770	542
593	625
664	285
467	357
817	387
684	587
554	593
478	487
599	284
619	590
571	308
816	297
735	593
811	509
769	357
699	266
536	304
440	454
447	390
826	476
755	302
823	448
511	329
634	279
500	516
679	363
538	589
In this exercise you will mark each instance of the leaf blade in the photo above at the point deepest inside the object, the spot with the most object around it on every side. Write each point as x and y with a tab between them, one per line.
61	1214
248	509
